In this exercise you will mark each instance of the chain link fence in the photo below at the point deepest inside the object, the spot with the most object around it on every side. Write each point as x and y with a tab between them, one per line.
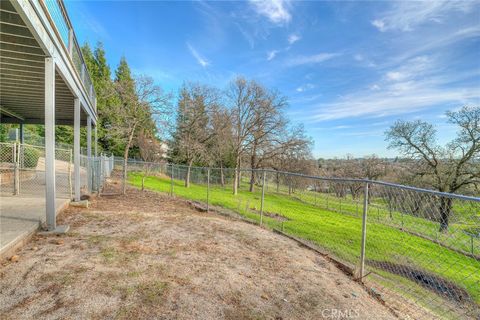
416	250
101	169
22	171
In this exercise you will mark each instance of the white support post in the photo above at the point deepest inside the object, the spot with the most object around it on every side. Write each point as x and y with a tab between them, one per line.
50	143
95	160
96	141
89	153
76	148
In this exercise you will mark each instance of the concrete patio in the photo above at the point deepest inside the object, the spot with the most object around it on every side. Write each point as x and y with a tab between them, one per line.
20	217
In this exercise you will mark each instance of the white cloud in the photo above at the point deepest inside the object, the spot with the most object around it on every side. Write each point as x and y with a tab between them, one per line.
358	57
277	11
389	102
312	59
417	84
201	60
271	54
379	24
411	69
395	75
440	42
305	87
91	24
293	38
407	15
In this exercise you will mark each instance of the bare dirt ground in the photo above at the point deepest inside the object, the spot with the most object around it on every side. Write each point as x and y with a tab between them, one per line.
147	256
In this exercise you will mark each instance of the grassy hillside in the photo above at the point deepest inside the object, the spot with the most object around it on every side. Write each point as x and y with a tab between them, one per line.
340	234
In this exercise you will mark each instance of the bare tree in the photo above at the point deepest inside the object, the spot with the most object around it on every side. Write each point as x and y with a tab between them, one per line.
243	96
269	127
446	168
150	151
193	130
140	103
260	131
221	143
294	156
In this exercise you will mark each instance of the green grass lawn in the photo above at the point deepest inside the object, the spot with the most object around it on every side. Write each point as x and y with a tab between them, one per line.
339	233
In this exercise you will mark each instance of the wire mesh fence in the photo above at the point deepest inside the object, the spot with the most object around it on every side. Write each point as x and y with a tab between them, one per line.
7	167
416	250
22	171
101	169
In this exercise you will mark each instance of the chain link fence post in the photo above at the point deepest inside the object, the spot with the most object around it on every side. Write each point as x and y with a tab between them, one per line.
70	174
328	193
16	175
263	197
208	190
364	233
124	182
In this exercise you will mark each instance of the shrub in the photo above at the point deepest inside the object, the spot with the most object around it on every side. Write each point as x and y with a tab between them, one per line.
6	154
31	156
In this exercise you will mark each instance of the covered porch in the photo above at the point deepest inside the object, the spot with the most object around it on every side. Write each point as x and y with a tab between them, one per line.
43	80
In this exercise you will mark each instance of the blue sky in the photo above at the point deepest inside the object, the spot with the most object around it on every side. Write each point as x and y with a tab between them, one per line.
349	69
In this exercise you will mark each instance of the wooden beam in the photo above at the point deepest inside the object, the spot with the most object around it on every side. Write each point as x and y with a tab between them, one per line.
19	40
9	113
37	51
13	52
21	61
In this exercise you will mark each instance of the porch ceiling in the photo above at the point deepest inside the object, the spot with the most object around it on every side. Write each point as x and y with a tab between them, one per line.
22	75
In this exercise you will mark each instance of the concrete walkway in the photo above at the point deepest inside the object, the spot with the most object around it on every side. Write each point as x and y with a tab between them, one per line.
20	217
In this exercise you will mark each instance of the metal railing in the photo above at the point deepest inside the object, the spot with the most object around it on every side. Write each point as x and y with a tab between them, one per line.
416	250
62	25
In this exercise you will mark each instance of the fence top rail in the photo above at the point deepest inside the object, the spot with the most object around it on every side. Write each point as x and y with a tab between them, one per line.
32	146
333	179
433	192
387	184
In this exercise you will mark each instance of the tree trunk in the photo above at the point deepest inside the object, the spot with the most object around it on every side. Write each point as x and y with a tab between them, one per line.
143	183
125	163
222	177
125	158
236	176
239	181
353	192
252	174
252	181
445	210
278	183
235	184
187	176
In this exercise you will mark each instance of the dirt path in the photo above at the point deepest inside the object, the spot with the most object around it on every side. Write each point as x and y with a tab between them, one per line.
146	256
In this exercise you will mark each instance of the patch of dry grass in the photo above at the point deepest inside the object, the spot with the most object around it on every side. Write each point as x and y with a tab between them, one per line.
146	256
